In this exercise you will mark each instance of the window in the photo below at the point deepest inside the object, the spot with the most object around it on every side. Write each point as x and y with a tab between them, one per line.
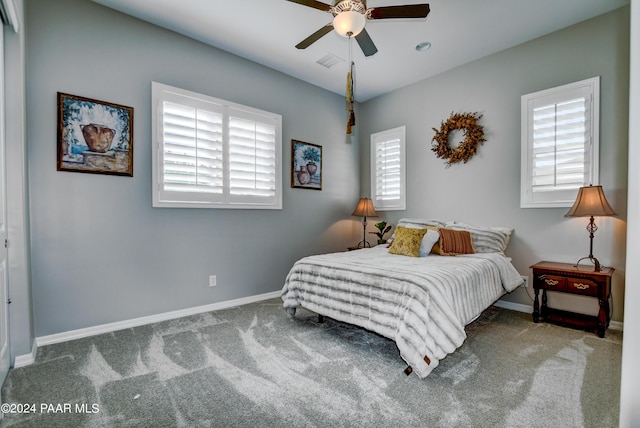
559	143
211	153
388	169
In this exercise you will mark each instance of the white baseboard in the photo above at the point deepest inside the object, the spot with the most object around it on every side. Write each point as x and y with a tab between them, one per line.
613	325
616	325
27	359
135	322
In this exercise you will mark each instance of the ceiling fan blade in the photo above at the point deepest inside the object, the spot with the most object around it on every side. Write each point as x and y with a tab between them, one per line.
315	36
406	11
366	44
313	3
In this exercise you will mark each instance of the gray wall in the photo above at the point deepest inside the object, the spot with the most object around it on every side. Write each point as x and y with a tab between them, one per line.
486	190
100	252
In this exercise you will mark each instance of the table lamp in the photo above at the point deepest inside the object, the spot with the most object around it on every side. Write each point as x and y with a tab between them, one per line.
364	209
590	202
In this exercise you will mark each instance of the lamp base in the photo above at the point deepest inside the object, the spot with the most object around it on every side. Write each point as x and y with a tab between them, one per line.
591	228
596	263
363	244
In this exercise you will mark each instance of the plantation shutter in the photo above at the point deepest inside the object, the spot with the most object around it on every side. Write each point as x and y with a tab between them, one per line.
211	153
559	143
561	139
252	155
192	148
387	166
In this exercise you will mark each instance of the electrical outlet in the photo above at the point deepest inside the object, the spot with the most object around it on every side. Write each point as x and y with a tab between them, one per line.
526	281
213	281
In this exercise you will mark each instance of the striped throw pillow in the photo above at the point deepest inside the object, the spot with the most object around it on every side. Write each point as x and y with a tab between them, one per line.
453	242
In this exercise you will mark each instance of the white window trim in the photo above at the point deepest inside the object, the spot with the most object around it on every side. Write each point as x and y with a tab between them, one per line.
401	202
558	198
162	199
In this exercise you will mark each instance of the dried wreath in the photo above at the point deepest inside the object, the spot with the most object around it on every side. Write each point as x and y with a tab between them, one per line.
473	133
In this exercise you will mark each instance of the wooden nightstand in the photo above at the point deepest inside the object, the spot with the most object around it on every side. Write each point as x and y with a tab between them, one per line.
567	278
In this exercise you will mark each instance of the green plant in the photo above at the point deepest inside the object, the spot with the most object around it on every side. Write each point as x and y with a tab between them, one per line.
383	228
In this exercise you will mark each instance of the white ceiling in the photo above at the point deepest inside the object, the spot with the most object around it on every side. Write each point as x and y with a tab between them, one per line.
266	31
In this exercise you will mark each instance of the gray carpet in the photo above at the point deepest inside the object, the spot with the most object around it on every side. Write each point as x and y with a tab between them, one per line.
253	366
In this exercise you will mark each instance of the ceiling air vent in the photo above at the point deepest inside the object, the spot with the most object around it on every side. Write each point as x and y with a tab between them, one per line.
329	60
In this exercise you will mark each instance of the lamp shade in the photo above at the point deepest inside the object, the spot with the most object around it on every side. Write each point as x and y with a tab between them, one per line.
348	23
590	202
365	208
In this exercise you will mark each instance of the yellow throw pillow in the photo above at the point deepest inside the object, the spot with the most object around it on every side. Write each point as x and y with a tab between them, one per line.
407	241
454	242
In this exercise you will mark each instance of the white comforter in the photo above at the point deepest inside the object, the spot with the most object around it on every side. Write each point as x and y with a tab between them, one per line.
421	303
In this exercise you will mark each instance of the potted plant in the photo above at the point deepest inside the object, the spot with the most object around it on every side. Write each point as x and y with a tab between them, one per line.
383	228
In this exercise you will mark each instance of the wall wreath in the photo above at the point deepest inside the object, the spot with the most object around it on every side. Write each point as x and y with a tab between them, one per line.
473	135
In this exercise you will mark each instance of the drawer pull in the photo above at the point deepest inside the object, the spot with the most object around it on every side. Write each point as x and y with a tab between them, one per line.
581	286
549	281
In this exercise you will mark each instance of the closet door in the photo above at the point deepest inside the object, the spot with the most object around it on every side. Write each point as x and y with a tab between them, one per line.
5	354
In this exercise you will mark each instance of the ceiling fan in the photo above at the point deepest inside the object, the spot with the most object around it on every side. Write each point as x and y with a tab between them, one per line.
349	17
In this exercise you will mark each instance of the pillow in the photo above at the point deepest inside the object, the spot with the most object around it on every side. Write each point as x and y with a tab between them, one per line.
407	241
485	239
416	223
430	239
420	222
453	242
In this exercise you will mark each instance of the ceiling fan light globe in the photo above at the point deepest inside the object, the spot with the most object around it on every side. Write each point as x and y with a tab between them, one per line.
348	23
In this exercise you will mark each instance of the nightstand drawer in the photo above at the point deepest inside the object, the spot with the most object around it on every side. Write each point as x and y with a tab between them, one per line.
551	282
582	286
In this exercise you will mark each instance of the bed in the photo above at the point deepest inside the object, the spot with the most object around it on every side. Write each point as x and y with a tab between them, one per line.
422	299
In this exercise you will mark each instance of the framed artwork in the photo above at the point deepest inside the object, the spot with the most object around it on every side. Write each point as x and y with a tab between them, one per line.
306	165
94	136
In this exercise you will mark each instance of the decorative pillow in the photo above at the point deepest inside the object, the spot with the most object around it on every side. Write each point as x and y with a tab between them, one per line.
430	239
485	239
453	242
407	241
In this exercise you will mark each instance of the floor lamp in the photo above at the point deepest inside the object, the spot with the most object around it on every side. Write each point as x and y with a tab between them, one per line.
364	209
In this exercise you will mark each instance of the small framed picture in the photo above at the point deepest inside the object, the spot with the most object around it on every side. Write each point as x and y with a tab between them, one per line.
306	165
94	136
